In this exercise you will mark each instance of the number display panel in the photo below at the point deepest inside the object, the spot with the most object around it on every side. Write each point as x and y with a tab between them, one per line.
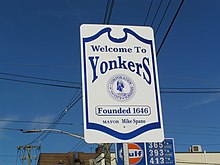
161	152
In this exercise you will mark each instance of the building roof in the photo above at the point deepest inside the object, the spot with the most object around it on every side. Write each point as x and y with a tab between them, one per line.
72	158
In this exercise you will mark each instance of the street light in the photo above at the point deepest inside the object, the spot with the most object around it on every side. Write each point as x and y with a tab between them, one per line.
106	145
53	130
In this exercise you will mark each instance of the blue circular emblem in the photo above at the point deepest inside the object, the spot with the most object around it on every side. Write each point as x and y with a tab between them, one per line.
121	87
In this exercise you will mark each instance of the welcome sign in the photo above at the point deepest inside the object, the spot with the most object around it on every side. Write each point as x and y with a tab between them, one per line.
121	97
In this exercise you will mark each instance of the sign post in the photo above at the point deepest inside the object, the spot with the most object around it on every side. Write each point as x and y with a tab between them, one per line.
121	97
125	154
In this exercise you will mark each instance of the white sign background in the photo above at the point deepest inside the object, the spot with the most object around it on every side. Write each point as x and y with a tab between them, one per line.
121	97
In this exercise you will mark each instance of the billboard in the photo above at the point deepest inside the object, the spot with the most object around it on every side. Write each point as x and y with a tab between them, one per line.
121	97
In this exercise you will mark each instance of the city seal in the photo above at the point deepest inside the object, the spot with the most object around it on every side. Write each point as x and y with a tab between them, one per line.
121	87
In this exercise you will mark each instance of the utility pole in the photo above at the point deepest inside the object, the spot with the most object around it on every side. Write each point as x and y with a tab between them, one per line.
27	152
107	153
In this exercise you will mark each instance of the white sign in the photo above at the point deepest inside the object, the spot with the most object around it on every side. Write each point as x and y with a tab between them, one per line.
121	96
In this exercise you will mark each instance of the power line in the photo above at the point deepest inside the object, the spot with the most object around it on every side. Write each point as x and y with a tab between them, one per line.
79	146
108	11
189	133
38	78
35	122
204	88
168	30
8	155
11	129
163	90
162	18
74	84
40	65
189	92
43	135
56	121
73	98
156	12
40	83
148	12
193	126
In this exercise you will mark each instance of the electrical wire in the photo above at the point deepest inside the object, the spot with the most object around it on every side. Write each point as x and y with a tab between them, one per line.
40	65
108	11
156	12
80	146
190	92
75	85
192	126
39	83
43	135
36	122
163	90
162	18
204	88
148	12
38	78
189	133
168	30
74	148
8	155
78	92
11	129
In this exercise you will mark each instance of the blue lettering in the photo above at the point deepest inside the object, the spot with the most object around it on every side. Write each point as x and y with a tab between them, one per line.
98	48
138	66
147	70
94	65
121	64
131	66
95	48
102	67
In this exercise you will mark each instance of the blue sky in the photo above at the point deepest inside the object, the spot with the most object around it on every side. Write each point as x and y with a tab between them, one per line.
41	39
